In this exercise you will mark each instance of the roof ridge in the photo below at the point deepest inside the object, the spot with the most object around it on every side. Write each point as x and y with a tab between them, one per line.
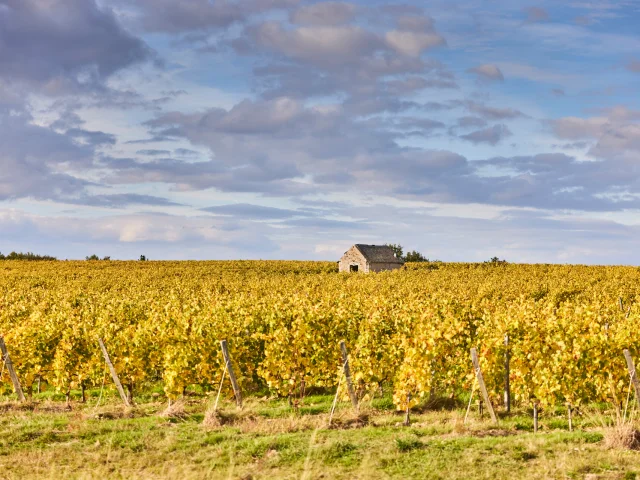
378	253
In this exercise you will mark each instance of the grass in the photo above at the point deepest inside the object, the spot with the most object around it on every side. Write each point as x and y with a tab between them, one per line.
269	439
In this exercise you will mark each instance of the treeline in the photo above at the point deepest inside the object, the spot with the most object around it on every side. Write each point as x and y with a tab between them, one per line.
412	256
96	257
415	256
25	256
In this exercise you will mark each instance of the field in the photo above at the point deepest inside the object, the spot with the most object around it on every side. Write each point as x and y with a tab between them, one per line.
269	440
408	333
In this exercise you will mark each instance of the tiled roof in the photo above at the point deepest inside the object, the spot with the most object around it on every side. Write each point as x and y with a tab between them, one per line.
378	253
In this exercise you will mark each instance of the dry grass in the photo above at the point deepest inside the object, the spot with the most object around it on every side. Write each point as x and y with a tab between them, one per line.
175	410
52	407
350	419
267	439
10	406
292	446
619	429
622	436
277	426
212	419
112	412
249	422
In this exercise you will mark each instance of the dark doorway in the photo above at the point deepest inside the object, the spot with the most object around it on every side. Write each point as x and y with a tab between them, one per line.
353	268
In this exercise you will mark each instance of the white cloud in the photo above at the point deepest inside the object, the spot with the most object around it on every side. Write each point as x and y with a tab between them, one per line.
324	13
412	43
488	71
326	45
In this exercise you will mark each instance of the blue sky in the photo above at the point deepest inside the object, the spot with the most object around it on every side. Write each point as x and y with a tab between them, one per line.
282	129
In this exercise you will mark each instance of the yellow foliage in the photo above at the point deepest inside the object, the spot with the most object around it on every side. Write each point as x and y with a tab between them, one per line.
411	329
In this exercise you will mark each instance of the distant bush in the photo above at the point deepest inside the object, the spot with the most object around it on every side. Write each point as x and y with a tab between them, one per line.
25	256
415	256
495	260
397	249
95	257
412	256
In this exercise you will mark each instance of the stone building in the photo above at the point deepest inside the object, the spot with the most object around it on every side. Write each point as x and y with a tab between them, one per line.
369	258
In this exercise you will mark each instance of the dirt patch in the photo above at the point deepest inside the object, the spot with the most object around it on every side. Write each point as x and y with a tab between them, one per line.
494	432
52	407
6	407
115	413
350	421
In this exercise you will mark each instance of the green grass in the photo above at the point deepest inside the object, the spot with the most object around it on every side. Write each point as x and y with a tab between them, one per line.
269	439
406	445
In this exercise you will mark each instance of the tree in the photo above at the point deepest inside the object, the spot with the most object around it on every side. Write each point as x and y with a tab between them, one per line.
397	249
25	256
143	258
412	256
415	256
92	257
495	260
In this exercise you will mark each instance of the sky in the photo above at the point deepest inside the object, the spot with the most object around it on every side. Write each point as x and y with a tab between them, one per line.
292	129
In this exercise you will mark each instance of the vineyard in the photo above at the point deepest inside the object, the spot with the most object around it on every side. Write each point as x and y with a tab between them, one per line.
409	331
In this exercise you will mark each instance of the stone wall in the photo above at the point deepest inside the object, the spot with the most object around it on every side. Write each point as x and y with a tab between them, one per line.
379	267
353	257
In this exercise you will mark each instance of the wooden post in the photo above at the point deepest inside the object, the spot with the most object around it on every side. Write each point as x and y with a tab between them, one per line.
11	370
114	374
620	304
232	375
347	375
507	386
480	408
632	372
535	417
407	420
483	388
335	400
570	417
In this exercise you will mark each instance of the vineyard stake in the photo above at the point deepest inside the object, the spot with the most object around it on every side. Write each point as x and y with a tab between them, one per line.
621	304
232	375
347	375
632	372
407	421
12	372
335	399
473	389
570	417
507	387
224	372
483	388
114	374
626	404
535	417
